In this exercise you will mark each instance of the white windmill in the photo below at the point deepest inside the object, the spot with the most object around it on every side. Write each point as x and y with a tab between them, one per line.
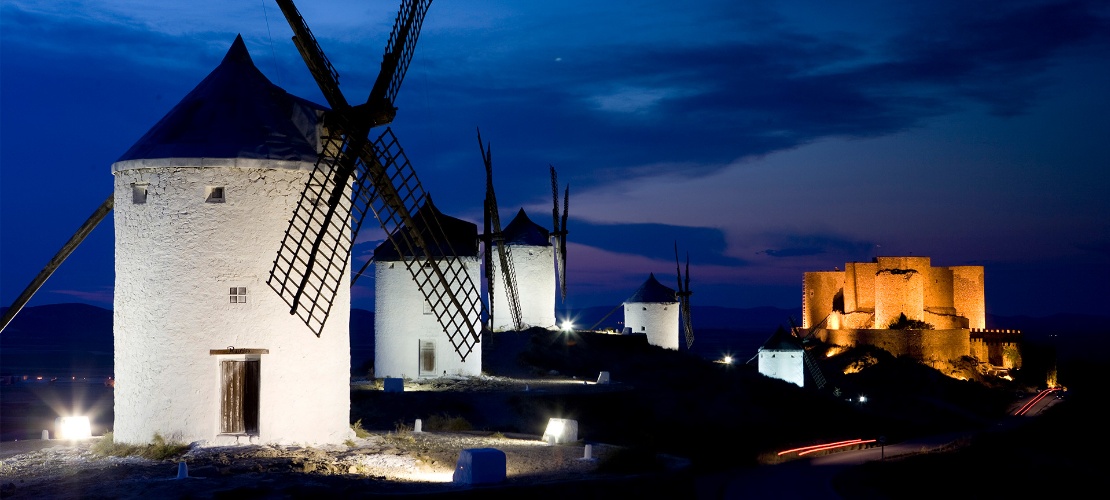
653	311
203	350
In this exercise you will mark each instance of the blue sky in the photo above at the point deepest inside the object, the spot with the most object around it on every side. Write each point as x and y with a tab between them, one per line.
768	138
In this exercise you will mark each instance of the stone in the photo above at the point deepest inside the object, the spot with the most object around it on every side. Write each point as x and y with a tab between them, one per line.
480	466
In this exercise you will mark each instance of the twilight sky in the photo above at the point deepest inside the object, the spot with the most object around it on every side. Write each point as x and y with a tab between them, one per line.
768	138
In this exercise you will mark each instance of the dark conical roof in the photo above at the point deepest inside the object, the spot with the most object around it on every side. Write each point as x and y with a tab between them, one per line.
782	340
235	112
462	236
653	291
522	231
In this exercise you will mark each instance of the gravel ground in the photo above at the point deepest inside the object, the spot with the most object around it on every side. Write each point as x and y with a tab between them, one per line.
402	463
399	463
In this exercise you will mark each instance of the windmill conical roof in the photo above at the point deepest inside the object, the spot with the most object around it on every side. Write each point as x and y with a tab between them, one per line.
235	112
461	236
782	340
653	291
522	231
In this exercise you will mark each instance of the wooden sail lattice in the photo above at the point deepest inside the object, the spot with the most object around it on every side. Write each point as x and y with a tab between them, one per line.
354	176
495	239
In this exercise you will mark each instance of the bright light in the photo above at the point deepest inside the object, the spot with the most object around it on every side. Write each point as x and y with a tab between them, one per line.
72	428
566	325
561	430
862	398
727	360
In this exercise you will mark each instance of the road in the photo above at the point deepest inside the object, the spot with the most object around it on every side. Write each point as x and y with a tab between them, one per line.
811	478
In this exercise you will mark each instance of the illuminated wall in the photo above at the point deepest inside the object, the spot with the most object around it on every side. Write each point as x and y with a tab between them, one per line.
877	293
405	327
657	320
535	278
177	256
787	365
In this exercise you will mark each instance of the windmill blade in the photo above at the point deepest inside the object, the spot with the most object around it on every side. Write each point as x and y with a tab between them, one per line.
683	295
441	277
318	64
563	245
352	177
495	240
559	233
395	62
68	248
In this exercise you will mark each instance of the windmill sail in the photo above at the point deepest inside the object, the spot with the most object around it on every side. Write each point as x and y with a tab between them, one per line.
354	176
495	240
559	232
683	295
68	248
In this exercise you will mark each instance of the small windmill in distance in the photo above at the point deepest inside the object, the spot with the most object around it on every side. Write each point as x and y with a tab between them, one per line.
683	293
559	232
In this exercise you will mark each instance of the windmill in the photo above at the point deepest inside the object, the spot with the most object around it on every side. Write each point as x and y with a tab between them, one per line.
683	294
494	239
559	232
355	175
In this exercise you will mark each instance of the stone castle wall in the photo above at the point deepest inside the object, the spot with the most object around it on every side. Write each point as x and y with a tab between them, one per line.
819	290
928	346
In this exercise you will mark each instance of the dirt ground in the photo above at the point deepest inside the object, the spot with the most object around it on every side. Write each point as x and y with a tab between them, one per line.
397	462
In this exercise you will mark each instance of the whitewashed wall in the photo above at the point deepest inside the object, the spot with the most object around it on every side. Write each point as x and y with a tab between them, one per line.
783	365
176	258
659	320
400	323
535	277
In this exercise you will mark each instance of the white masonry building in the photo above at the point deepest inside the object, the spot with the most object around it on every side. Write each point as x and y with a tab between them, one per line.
204	349
534	265
653	311
409	341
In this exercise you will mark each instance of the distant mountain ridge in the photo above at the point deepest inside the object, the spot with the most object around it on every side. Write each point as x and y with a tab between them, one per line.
75	338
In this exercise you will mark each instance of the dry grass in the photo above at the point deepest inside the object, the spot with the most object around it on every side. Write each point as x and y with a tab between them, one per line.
158	449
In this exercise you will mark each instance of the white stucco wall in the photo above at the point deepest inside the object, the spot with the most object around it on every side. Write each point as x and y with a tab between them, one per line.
400	323
176	258
783	365
535	277
658	320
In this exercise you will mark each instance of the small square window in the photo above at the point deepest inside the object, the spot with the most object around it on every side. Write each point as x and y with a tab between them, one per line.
138	193
238	295
215	194
643	328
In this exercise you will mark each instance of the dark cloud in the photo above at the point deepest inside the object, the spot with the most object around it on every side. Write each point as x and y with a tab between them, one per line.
804	245
723	100
705	246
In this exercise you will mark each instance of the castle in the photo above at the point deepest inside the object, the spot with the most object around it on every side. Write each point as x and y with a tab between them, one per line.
906	306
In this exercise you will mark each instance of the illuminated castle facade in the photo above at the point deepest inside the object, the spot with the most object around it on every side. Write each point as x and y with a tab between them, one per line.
907	307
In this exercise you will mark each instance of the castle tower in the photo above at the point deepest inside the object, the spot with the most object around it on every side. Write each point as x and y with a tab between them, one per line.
409	342
533	256
653	311
204	349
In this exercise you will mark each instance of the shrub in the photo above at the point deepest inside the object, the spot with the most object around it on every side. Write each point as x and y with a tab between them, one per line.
444	422
904	323
359	431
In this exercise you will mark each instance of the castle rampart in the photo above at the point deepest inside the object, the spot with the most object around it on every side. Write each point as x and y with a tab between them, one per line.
860	304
